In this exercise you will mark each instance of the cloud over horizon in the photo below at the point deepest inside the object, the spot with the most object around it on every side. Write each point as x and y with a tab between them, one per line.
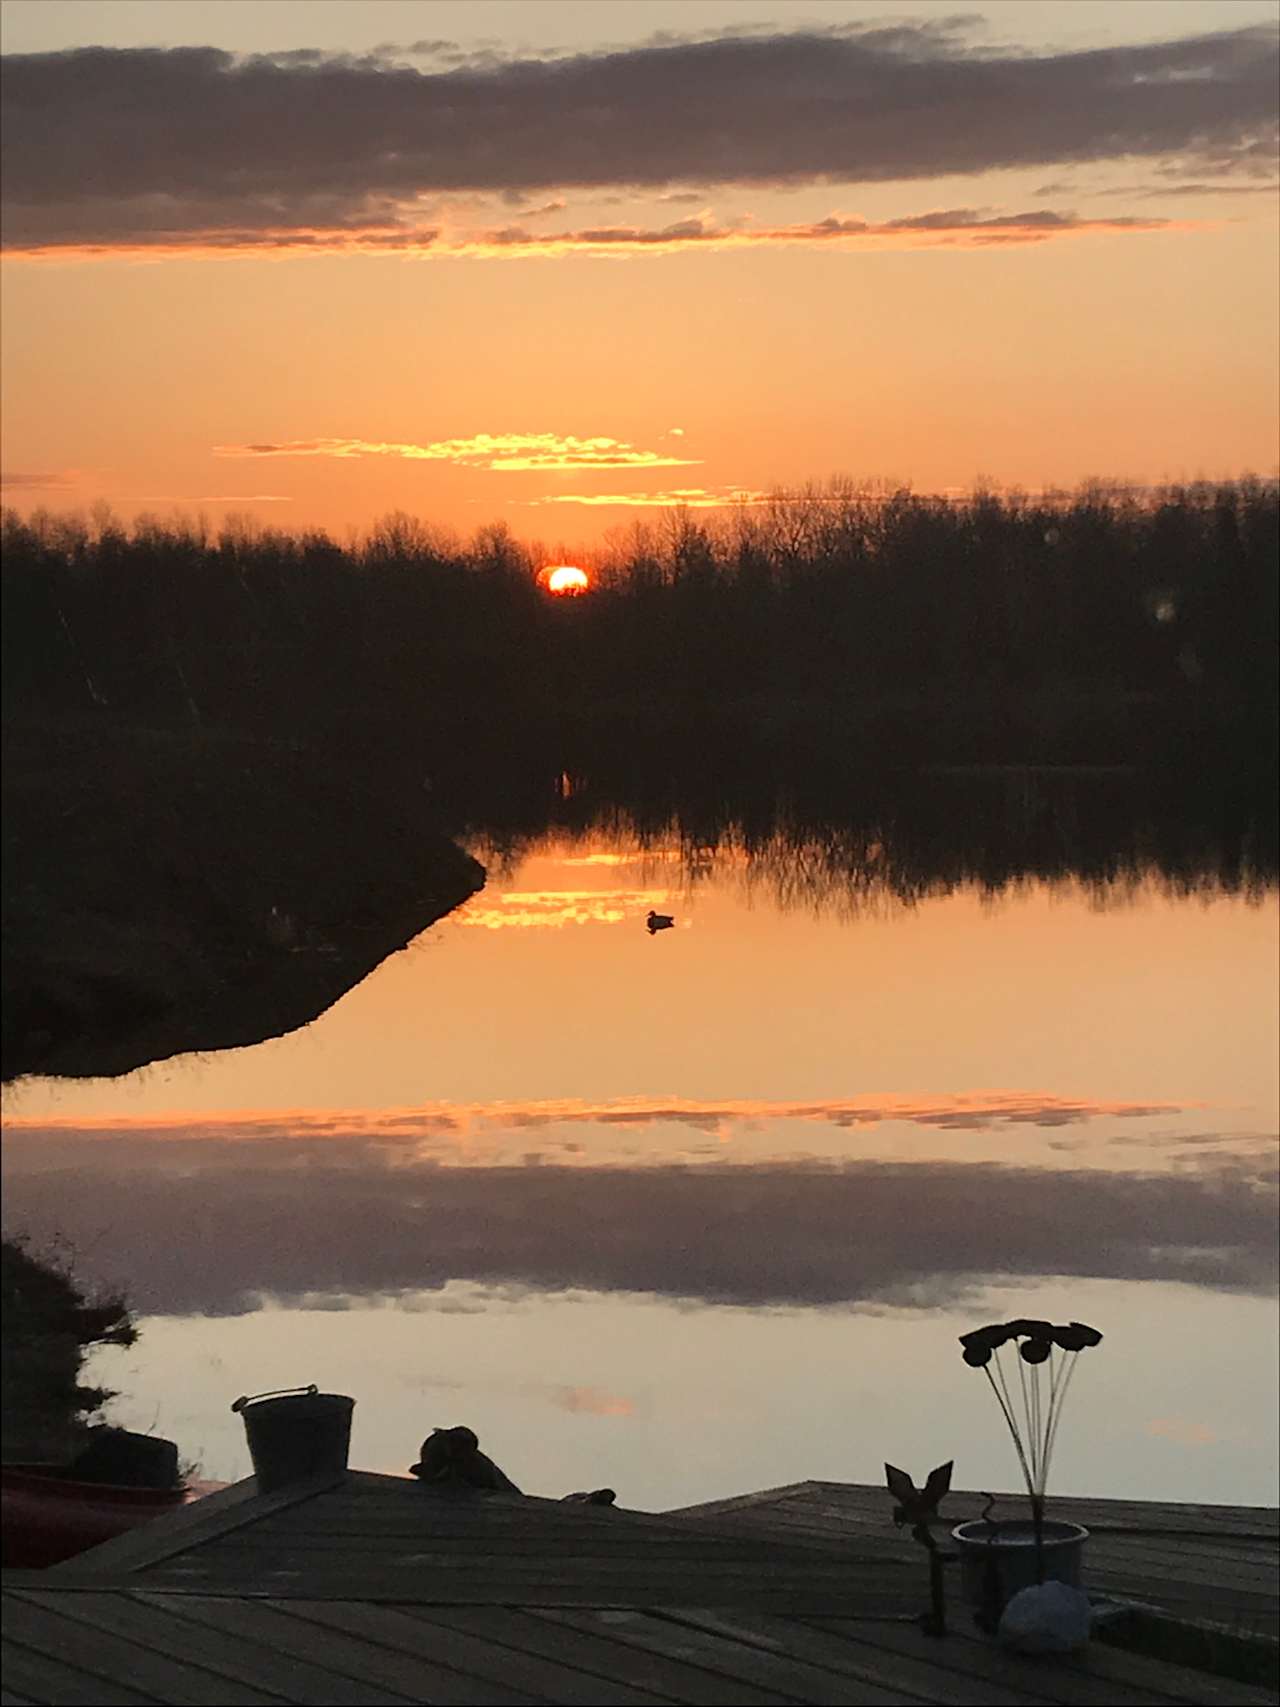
677	497
504	453
193	146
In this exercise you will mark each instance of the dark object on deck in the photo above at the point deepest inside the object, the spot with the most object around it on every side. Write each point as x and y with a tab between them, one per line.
295	1433
919	1508
47	1515
454	1455
597	1496
659	922
123	1459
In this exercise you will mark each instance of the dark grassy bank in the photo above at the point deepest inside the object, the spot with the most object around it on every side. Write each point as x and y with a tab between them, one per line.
169	892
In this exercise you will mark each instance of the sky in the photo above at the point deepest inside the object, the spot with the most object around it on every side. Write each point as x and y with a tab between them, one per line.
565	265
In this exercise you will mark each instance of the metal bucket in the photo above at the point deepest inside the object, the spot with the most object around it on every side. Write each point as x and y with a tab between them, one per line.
294	1433
996	1560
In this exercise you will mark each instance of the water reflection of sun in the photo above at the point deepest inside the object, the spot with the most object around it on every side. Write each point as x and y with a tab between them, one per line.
564	578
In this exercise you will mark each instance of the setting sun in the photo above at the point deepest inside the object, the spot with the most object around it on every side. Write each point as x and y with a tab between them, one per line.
565	578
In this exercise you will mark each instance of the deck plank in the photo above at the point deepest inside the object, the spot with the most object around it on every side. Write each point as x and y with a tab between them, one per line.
192	1525
321	1671
928	1675
1097	1674
131	1664
857	1677
733	1661
726	1666
1177	1682
596	1651
50	1680
543	1678
503	1589
986	1665
176	1638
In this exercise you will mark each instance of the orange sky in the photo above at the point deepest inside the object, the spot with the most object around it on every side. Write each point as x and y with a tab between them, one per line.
570	357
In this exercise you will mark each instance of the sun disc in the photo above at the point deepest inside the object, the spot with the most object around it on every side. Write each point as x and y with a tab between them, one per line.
565	578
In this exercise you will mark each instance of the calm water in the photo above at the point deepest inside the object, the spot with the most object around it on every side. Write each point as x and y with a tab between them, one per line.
704	1212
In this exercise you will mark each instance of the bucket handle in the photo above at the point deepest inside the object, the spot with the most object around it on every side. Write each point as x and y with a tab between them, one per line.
275	1393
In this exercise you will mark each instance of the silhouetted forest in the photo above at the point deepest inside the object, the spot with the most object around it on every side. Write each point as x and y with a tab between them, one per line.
1085	627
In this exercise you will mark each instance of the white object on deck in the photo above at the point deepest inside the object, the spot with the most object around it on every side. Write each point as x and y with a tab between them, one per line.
1051	1618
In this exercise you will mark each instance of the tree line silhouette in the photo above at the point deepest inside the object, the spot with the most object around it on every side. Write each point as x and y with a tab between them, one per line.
1092	625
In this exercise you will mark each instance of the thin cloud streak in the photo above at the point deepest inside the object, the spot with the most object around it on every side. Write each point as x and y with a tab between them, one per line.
950	228
1161	192
679	497
503	453
225	498
37	482
956	228
164	146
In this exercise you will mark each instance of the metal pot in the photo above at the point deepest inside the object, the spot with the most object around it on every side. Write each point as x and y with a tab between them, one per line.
998	1559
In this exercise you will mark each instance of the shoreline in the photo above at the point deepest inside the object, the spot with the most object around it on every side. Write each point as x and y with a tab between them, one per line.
173	893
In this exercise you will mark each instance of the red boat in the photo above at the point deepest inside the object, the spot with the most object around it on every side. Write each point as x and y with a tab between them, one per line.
48	1516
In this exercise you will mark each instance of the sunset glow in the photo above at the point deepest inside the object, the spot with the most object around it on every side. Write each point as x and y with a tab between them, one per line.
640	722
1031	247
565	578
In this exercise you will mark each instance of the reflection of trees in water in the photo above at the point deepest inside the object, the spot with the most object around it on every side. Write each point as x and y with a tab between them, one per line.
865	844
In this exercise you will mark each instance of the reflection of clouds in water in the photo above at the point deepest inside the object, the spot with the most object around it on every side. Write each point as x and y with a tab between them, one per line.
231	1225
975	1111
543	909
593	1401
633	856
1181	1432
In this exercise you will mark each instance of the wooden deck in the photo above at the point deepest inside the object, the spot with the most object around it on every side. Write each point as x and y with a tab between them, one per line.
1214	1563
369	1589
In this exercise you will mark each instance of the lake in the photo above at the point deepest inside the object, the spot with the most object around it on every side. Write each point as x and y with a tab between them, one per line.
701	1212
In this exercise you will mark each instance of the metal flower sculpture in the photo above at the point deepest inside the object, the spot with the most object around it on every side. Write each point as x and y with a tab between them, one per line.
1046	1362
919	1508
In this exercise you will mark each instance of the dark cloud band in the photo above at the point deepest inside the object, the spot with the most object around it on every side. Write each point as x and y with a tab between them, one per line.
111	145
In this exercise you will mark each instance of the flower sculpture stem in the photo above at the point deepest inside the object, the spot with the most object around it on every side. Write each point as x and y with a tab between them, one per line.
1032	1423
